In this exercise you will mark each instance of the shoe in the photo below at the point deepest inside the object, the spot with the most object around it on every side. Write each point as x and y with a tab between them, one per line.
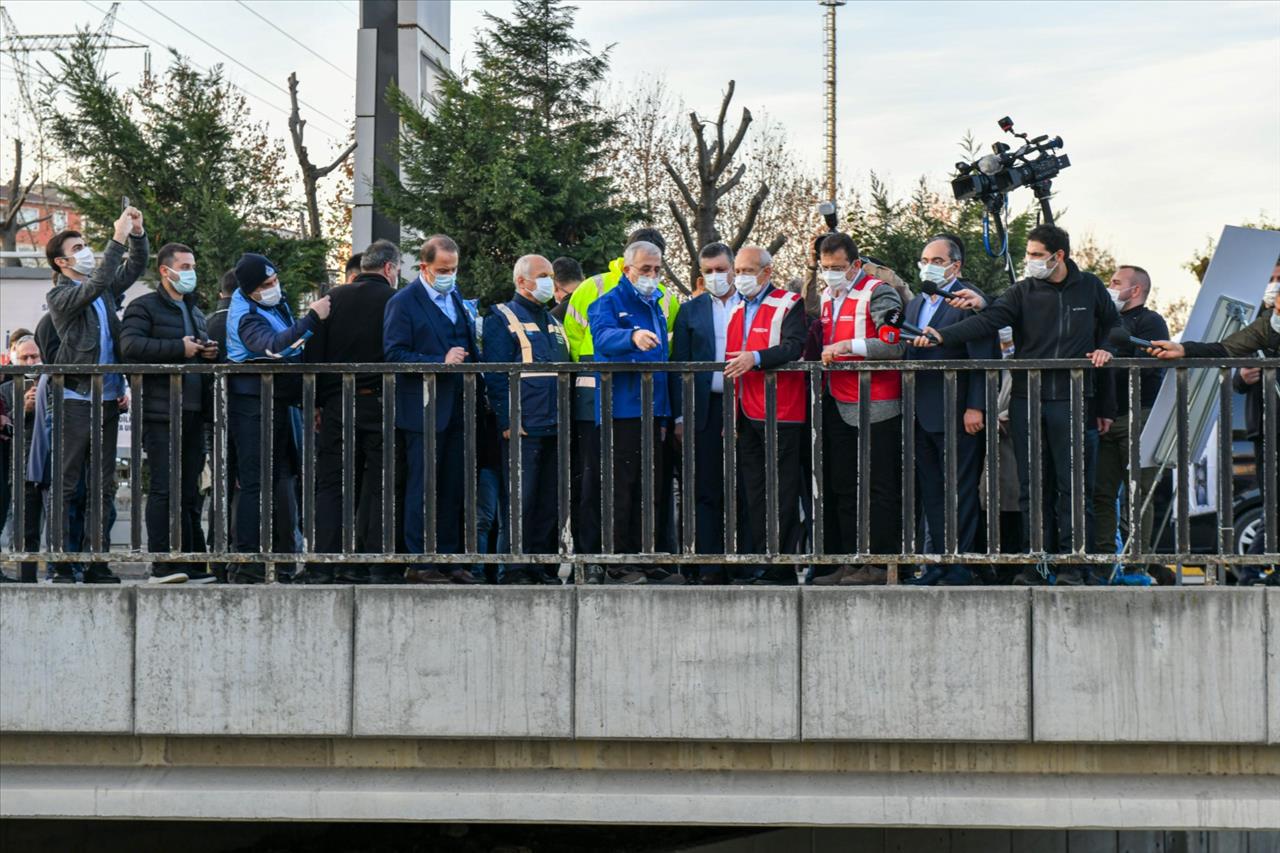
831	578
712	579
957	576
1029	577
1133	577
594	573
100	576
515	577
353	576
425	576
624	576
932	576
386	575
866	576
250	575
168	577
1069	576
1249	576
773	580
1163	575
463	576
1273	579
64	577
317	575
662	576
200	576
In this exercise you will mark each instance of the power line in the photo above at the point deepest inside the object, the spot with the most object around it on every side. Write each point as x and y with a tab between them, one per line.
231	83
305	47
260	76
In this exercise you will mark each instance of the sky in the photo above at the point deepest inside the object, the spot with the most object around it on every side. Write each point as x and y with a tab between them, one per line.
1170	112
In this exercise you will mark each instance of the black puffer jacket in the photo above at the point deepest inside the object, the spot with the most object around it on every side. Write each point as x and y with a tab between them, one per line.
151	333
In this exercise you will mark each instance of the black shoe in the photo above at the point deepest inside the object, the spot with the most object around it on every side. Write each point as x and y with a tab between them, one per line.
1029	577
516	577
200	576
318	575
775	579
100	575
6	579
353	576
1069	576
386	574
957	576
712	579
246	573
624	576
662	576
594	574
932	576
64	577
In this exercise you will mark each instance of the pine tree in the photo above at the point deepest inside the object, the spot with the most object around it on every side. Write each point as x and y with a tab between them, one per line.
507	164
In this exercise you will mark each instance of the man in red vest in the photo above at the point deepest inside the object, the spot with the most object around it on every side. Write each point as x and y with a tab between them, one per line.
766	330
854	306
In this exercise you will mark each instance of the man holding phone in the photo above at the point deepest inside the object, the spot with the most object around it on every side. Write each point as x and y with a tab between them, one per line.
167	327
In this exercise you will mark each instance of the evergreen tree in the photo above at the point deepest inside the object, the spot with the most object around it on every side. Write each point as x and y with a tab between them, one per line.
186	152
507	164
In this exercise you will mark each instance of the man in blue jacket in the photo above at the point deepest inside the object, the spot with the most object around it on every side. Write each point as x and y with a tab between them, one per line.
941	262
524	331
260	327
701	335
426	323
628	325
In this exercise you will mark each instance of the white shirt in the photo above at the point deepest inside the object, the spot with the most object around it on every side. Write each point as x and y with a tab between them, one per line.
720	311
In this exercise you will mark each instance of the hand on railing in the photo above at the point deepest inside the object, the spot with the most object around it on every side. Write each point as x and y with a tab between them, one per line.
457	355
1099	357
740	365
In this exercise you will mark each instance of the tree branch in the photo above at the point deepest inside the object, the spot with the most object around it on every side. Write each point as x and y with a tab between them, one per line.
749	220
704	164
724	110
675	279
727	187
737	137
685	192
777	243
19	199
683	224
320	173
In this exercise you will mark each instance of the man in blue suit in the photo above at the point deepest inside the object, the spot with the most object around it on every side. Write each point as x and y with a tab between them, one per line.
426	323
700	335
941	263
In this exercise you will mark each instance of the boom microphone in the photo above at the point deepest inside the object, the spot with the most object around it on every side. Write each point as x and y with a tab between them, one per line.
1119	336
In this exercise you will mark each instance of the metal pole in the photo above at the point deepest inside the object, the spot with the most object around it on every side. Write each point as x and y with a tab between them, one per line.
829	89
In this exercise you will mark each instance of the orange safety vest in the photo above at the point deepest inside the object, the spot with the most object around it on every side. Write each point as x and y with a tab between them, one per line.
854	322
766	332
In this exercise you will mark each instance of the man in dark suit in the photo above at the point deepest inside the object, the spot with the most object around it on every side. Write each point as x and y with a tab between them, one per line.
700	334
941	262
426	323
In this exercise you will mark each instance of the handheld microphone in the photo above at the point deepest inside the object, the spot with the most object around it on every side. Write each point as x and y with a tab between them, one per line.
895	320
1119	336
928	288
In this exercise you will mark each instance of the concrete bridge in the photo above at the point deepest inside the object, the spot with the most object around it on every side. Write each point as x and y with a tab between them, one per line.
894	707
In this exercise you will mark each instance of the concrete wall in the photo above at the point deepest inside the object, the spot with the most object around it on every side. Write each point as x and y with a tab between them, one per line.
731	664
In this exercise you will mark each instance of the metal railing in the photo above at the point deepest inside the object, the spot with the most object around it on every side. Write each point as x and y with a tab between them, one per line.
811	553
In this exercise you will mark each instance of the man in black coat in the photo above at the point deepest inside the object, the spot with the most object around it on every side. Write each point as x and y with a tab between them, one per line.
167	327
352	334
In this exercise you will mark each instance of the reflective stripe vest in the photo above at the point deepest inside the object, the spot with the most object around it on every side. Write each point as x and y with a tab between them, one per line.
766	332
855	322
538	402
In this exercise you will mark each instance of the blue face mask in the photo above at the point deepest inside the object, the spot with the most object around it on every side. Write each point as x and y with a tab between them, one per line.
186	282
444	283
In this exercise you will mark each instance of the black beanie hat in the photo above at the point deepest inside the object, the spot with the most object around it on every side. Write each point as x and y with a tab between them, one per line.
252	270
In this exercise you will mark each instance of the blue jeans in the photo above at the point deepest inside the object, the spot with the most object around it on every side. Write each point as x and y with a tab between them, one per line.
491	510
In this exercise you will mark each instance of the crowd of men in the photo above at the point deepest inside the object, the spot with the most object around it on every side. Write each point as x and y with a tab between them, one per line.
739	316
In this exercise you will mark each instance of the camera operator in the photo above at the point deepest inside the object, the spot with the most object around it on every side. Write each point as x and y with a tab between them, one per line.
1055	311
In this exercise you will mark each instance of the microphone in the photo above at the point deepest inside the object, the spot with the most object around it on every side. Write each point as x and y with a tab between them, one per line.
928	288
895	320
1119	336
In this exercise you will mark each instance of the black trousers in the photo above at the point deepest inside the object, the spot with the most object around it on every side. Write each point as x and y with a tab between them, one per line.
157	438
586	487
1055	450
754	464
932	486
708	481
367	473
245	421
539	502
840	456
628	483
76	445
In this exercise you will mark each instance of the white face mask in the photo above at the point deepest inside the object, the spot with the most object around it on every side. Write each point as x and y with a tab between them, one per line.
747	285
543	289
85	262
1269	295
1115	298
834	279
1038	268
645	285
717	283
270	298
1275	322
934	273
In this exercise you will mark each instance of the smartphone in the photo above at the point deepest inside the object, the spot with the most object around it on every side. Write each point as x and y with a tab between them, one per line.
124	203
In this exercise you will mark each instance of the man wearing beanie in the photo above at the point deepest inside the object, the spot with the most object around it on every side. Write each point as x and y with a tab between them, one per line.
260	327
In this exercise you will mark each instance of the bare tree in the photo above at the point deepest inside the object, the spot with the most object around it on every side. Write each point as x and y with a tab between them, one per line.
311	174
714	159
12	222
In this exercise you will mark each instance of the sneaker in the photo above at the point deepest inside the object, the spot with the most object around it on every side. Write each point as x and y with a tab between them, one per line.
595	573
200	576
168	577
624	576
1133	577
1070	576
866	576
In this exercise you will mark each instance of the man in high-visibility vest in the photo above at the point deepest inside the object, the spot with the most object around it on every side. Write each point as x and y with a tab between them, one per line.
577	330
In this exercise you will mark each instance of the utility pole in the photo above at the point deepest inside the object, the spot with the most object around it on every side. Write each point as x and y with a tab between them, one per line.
830	93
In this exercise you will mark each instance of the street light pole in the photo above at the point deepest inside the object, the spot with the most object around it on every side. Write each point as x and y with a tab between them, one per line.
830	92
